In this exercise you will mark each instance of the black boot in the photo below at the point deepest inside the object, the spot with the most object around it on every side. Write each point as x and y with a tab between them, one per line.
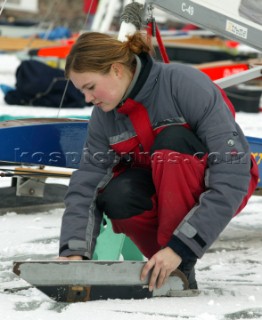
188	268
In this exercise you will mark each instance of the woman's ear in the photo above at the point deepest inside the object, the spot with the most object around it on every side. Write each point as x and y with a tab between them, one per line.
117	69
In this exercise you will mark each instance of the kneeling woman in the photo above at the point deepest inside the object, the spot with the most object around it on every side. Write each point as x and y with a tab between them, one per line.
164	158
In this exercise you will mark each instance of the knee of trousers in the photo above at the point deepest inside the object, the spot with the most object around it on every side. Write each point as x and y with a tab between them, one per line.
127	195
179	139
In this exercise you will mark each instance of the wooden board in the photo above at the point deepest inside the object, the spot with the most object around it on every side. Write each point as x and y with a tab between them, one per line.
18	44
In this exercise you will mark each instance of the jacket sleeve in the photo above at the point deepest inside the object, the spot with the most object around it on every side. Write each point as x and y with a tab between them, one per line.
228	174
81	220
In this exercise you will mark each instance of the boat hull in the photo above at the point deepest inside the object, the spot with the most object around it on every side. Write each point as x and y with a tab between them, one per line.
52	142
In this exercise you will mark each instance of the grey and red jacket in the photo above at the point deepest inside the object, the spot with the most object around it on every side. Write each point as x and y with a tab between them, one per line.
173	94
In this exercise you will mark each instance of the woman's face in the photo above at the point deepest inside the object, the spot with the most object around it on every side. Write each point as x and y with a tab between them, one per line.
105	91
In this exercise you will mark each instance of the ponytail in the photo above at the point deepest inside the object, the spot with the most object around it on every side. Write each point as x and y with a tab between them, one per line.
138	43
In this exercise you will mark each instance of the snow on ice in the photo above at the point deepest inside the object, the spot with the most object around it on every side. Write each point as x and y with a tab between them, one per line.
229	275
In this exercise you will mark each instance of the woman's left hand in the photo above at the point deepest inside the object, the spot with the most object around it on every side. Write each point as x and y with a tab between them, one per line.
163	263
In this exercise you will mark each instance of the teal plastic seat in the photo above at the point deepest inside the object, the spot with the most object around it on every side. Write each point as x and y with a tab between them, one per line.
113	246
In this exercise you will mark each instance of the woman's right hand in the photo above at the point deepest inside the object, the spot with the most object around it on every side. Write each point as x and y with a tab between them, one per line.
70	258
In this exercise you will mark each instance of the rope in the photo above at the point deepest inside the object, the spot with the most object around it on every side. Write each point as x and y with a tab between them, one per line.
67	82
2	7
87	17
153	30
42	22
133	13
63	98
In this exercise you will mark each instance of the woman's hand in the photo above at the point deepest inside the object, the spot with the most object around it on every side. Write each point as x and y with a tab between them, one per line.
163	263
70	258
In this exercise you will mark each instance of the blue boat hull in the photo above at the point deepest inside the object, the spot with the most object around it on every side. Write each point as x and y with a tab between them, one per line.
59	142
51	142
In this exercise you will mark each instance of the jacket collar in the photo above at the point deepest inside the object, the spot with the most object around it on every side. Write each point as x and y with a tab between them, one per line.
146	65
143	68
